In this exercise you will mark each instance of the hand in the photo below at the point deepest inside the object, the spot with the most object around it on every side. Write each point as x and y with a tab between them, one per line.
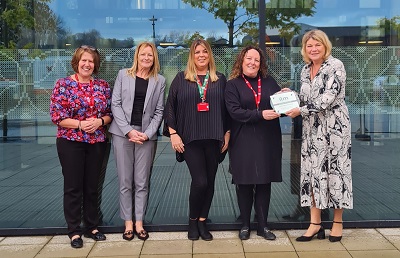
176	143
137	137
90	125
227	136
293	112
284	90
270	114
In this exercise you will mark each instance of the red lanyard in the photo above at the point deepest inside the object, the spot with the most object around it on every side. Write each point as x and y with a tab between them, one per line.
88	95
257	96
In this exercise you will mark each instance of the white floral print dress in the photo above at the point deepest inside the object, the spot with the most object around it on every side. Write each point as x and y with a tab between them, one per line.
326	145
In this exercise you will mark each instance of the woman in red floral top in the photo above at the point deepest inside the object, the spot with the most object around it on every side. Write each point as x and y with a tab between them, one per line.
80	107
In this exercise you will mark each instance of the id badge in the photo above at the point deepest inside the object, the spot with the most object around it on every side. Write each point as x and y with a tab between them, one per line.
203	107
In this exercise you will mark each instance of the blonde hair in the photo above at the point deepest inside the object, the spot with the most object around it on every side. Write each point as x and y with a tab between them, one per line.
190	71
155	68
319	36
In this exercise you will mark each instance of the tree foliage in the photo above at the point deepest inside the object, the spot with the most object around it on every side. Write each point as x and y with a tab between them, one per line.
21	18
390	27
241	16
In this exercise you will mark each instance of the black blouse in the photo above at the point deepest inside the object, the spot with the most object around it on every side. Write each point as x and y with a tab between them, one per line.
181	113
138	103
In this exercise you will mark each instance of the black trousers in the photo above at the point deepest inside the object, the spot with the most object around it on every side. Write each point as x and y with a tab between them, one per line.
260	194
81	167
202	160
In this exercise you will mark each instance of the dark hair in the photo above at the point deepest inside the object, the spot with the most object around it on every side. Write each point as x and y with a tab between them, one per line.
237	69
78	54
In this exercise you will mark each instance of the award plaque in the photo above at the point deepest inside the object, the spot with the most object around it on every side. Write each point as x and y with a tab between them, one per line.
284	101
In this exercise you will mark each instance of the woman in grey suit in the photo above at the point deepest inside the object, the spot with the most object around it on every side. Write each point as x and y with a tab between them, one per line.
137	105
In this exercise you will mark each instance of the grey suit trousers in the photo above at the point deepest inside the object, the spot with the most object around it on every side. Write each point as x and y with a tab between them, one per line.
134	163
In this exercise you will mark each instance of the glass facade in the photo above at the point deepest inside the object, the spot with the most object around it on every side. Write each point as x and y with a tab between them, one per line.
38	38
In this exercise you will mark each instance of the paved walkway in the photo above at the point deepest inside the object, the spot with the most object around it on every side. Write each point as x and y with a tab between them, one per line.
363	243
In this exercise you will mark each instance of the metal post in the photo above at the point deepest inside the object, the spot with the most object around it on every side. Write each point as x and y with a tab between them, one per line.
154	24
261	26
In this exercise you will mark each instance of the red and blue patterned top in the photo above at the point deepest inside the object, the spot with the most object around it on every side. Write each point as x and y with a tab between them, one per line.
80	101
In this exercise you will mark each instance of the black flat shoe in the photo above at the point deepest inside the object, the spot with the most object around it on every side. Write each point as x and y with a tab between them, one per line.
320	234
142	234
98	236
335	238
77	243
266	233
128	235
244	233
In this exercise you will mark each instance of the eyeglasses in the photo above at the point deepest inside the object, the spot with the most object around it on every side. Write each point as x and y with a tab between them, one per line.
89	47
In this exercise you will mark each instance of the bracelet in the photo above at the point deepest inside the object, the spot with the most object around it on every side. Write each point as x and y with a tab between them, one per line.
79	125
102	121
229	131
173	133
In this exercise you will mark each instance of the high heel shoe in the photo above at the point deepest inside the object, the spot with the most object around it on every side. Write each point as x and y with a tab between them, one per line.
320	234
335	238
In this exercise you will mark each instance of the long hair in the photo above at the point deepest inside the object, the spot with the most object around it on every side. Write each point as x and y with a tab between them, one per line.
237	69
78	54
154	69
319	36
190	71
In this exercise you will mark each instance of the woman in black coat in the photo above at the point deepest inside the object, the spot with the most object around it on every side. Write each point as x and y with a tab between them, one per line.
255	146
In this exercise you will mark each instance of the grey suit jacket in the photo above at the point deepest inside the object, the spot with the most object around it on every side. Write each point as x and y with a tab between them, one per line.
122	102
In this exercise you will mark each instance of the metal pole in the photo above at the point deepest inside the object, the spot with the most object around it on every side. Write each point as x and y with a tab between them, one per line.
261	25
154	24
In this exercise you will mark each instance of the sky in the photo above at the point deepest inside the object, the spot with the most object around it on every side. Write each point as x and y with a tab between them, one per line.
117	19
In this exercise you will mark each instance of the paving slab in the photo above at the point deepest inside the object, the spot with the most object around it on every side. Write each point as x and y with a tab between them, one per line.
111	248
64	250
367	243
395	240
325	254
167	247
26	240
272	255
19	251
375	254
389	231
218	246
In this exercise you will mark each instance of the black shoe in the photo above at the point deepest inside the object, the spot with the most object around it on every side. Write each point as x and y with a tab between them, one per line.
266	233
193	230
335	238
320	234
203	231
244	233
142	234
128	235
98	236
77	243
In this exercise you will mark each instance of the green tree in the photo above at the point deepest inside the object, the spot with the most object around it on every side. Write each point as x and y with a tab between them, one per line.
21	19
241	16
391	28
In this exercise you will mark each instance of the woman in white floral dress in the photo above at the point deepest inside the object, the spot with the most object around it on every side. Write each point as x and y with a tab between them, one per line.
326	147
